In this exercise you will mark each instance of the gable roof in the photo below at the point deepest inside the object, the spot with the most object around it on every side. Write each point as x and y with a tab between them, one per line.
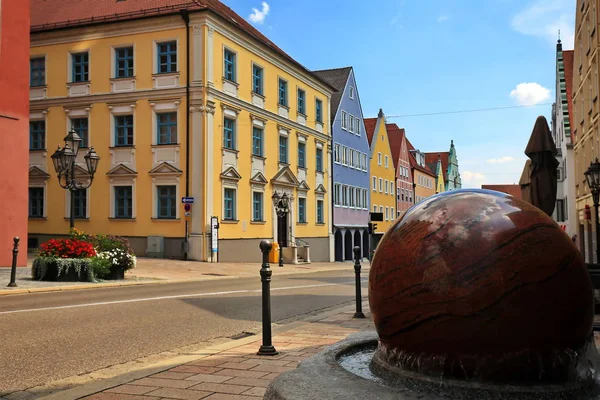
514	190
59	14
370	124
432	159
568	57
395	137
336	78
413	160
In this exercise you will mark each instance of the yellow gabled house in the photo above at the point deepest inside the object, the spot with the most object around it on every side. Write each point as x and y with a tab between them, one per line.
383	173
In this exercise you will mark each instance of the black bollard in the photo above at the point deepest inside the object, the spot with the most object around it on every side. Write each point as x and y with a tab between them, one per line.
13	269
267	348
358	313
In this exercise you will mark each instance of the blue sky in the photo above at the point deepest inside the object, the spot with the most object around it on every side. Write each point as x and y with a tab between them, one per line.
436	56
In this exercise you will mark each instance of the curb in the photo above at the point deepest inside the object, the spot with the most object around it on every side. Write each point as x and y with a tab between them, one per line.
152	369
9	292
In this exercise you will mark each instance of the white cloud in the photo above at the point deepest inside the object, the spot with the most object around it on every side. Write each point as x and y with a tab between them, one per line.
544	18
530	94
443	18
472	179
258	16
501	160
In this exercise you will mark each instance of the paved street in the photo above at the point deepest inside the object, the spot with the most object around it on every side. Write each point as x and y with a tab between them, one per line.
49	336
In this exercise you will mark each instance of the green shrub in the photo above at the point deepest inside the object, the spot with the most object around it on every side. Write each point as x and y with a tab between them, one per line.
101	267
115	249
62	269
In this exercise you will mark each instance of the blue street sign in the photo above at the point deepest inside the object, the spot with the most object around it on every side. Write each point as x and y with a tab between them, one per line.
187	200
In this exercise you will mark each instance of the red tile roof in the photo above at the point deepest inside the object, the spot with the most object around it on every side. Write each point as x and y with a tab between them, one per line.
57	14
432	158
413	161
395	137
514	190
568	56
370	128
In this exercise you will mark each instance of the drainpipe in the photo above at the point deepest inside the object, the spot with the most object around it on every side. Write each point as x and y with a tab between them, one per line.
186	18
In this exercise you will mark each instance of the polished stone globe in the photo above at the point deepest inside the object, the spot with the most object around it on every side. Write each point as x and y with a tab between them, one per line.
477	284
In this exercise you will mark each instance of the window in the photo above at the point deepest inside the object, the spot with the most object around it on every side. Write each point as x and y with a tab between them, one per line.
351	118
37	71
380	185
319	160
558	174
166	124
166	202
229	204
351	160
387	213
123	202
392	213
320	216
386	186
345	196
36	202
337	191
283	149
229	65
124	130
351	92
357	121
257	79
336	154
344	155
381	209
386	161
257	140
560	211
374	183
301	101
37	135
364	157
365	202
374	208
81	67
167	57
302	210
80	200
378	158
229	133
80	125
283	93
301	155
391	188
344	120
257	206
319	110
124	62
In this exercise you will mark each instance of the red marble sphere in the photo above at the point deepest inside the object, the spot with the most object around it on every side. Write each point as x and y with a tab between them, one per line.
473	275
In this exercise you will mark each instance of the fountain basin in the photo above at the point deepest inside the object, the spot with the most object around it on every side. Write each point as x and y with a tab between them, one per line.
323	377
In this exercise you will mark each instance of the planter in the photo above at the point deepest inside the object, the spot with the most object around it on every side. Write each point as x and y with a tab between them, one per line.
116	274
62	269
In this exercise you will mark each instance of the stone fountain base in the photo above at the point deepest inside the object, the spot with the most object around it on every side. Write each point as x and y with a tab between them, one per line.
322	377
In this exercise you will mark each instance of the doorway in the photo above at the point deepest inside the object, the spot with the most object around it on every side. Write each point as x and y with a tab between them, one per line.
282	230
339	246
348	246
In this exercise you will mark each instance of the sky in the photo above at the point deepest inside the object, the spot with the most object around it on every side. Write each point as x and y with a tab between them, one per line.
437	57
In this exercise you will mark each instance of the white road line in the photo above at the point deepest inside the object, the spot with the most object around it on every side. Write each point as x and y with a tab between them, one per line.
180	296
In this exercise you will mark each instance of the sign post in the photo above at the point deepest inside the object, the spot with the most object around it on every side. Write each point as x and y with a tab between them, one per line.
214	235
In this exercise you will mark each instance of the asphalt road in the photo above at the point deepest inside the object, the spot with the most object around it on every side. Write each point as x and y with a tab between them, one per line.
49	336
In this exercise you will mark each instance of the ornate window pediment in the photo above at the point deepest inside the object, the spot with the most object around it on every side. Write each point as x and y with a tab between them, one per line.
303	187
285	177
320	189
231	174
165	168
37	173
121	170
259	179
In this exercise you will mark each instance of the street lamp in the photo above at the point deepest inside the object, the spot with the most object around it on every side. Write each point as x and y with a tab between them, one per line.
592	177
281	204
64	164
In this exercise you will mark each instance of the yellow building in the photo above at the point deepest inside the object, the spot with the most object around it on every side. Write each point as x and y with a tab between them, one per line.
383	174
585	119
257	124
424	180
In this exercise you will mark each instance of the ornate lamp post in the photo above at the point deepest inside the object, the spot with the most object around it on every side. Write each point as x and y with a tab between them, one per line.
281	204
592	177
64	165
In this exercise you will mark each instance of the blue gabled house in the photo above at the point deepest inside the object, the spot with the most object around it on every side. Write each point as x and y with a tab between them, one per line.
351	160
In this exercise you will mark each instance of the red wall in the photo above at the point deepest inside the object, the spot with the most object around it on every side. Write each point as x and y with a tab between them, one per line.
14	127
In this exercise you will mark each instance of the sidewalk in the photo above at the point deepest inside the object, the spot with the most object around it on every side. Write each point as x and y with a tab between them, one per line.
225	371
156	271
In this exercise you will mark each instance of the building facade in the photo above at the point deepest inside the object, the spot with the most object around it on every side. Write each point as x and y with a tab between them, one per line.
564	215
194	103
584	129
14	105
513	190
435	164
401	157
452	178
351	165
383	173
423	178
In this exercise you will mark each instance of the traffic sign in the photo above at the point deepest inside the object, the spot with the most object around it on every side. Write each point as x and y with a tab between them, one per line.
187	200
187	207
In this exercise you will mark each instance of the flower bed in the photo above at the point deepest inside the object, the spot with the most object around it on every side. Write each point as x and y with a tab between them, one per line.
83	258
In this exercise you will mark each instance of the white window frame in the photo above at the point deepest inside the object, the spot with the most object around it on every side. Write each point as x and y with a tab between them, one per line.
374	208
392	213
68	203
40	183
336	154
337	194
351	160
387	162
155	44
166	181
344	120
387	213
113	60
344	155
128	181
374	183
351	92
169	107
386	185
70	66
117	111
345	195
380	185
226	184
351	123
379	158
357	130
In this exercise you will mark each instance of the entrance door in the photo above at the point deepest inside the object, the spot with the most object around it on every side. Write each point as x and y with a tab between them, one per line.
282	230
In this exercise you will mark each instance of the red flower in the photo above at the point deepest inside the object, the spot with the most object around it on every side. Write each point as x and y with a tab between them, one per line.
67	248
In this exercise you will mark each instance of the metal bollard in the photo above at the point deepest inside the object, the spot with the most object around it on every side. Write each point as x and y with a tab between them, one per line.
267	348
13	270
358	313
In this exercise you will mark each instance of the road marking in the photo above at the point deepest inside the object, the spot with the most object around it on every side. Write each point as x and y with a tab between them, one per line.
180	296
